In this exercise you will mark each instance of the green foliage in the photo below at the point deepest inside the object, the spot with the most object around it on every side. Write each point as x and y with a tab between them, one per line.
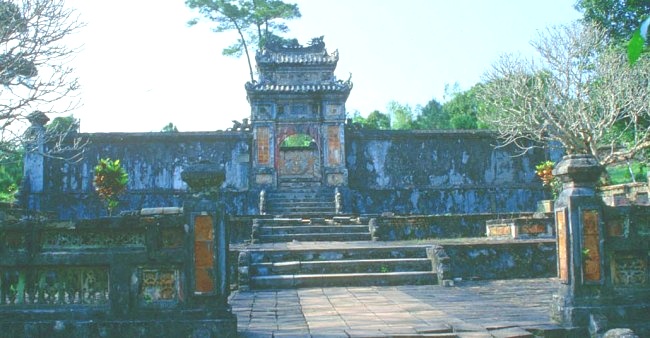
544	171
62	125
636	45
110	181
297	141
619	18
11	172
433	116
462	108
169	128
401	116
460	111
623	173
375	120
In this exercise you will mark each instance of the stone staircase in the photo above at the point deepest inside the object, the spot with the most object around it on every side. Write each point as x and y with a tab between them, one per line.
278	230
344	265
328	251
300	201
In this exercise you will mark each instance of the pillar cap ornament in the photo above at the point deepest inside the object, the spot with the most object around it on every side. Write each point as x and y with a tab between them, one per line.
579	169
38	118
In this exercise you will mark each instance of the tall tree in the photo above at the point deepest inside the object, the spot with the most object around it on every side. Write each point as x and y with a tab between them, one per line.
377	120
34	71
619	18
432	116
255	21
462	108
583	95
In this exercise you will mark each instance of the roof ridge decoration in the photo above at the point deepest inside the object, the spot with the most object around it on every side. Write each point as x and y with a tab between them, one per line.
291	52
316	45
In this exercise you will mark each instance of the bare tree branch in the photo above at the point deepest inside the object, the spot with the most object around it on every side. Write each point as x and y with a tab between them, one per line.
582	94
34	70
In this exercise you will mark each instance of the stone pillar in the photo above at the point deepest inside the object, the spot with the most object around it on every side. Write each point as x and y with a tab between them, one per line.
207	270
34	162
579	226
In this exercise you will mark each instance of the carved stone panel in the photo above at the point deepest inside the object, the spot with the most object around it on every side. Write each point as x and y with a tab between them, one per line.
333	146
562	246
203	255
158	285
299	165
591	246
263	146
60	285
79	239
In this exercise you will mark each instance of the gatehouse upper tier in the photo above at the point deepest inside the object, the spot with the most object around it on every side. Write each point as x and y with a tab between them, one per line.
293	68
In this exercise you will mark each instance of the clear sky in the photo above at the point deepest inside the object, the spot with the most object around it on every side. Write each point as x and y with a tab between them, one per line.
142	67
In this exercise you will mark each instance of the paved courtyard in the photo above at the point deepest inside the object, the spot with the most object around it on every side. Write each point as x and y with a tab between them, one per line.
501	308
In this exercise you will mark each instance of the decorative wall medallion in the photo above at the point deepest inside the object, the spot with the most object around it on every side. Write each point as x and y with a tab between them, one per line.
630	269
159	285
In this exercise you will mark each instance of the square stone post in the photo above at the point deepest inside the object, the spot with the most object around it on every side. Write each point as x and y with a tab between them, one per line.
580	238
207	255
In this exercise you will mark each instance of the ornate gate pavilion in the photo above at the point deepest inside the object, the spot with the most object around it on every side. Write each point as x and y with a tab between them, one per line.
298	98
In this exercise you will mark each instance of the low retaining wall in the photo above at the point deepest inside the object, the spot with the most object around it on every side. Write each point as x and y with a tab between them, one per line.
501	259
110	277
397	228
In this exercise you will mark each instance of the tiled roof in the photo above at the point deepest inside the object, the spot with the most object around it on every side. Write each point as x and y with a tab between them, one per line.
339	86
298	58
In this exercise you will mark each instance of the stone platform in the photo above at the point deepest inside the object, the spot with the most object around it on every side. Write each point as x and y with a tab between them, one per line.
382	263
504	308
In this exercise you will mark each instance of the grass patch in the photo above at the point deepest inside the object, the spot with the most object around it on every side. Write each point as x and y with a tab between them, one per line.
620	174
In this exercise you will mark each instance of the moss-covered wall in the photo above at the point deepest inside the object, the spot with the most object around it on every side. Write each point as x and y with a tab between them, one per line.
439	172
153	161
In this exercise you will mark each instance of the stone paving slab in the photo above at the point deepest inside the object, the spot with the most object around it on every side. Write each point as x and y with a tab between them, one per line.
504	308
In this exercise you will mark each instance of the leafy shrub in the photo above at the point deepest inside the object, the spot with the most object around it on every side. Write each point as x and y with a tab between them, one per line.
110	181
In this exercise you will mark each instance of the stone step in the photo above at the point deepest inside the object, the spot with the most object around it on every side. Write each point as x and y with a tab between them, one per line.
342	266
300	196
312	229
329	254
299	207
315	237
343	279
301	211
292	203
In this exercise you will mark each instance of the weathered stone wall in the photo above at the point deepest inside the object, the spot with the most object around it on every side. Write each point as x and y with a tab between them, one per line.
154	162
405	172
437	172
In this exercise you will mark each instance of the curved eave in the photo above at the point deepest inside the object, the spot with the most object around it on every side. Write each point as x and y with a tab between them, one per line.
297	59
273	88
